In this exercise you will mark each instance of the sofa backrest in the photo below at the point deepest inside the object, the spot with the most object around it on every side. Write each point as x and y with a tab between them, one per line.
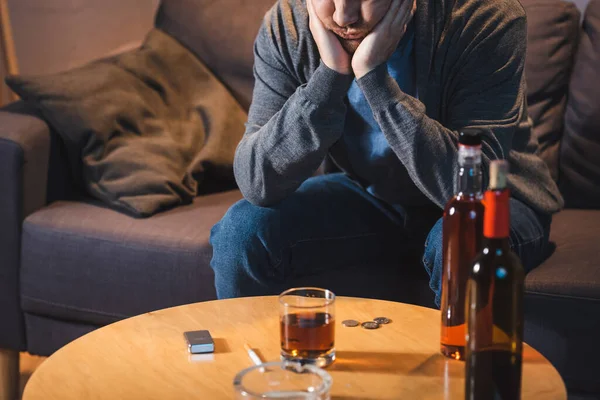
580	148
221	33
552	35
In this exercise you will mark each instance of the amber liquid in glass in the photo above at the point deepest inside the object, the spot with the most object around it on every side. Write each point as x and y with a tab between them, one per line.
307	334
463	226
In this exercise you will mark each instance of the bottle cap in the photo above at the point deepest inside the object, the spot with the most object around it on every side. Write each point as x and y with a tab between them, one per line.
469	137
498	174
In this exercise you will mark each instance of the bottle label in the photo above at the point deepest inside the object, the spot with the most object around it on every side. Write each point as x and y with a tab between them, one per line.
469	154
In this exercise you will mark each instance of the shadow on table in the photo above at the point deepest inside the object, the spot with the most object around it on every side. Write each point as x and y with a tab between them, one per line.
221	346
433	365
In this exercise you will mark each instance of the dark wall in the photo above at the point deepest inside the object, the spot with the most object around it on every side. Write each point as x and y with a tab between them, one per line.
53	35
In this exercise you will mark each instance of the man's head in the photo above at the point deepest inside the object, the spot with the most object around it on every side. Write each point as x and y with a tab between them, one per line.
351	20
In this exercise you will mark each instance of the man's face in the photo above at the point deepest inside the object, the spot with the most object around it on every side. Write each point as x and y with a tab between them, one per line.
351	20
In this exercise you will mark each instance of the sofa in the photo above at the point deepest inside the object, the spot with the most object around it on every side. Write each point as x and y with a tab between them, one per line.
69	264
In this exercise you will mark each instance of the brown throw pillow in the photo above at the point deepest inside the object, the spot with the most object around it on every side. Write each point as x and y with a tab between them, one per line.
144	128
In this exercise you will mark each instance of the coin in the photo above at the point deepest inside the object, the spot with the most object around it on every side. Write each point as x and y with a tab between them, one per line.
350	323
382	320
370	325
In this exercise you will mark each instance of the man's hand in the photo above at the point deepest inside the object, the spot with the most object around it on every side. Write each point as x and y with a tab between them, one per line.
331	51
381	43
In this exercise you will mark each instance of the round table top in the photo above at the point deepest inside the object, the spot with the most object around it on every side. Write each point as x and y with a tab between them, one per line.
146	357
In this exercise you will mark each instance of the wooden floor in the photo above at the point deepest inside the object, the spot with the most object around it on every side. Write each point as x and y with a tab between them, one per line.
28	364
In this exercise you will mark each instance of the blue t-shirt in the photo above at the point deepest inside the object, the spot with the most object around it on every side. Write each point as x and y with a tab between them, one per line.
369	152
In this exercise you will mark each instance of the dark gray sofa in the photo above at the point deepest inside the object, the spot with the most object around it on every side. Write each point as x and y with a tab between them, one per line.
69	265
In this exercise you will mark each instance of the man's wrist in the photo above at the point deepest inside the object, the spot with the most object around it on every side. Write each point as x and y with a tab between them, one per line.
327	85
339	70
362	70
379	87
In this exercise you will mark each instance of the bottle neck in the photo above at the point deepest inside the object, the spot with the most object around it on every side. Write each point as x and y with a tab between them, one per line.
469	171
496	243
496	220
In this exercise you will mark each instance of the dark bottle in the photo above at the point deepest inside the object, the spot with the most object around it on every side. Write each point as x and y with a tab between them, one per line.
495	303
462	238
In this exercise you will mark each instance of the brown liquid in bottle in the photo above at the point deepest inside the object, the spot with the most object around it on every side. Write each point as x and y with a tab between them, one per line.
463	227
494	307
307	335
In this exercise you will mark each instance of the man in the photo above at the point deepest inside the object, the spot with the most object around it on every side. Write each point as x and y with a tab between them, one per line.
382	88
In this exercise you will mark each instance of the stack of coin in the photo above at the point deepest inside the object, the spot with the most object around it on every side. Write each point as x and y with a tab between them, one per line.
370	325
350	323
376	323
382	320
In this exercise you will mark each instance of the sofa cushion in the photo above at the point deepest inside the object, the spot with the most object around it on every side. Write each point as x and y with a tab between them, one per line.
562	300
573	270
565	330
552	32
47	335
221	33
84	262
580	149
145	128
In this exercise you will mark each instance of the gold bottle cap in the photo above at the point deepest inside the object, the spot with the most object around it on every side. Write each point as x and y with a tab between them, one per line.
498	174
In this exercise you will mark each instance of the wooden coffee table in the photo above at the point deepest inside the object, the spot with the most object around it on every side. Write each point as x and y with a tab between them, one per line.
145	357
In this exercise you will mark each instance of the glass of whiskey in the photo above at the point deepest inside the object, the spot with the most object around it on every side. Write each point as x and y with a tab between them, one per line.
307	326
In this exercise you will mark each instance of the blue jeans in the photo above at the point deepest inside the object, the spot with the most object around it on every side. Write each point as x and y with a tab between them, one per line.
332	223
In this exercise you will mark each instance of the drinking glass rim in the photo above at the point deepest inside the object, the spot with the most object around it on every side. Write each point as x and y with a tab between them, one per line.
324	375
328	301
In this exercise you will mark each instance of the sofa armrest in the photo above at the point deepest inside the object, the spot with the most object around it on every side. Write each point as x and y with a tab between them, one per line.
24	155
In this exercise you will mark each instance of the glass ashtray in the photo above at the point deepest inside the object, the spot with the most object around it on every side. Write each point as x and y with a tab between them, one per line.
283	380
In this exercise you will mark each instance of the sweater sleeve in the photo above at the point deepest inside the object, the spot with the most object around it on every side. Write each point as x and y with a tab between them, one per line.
290	127
484	90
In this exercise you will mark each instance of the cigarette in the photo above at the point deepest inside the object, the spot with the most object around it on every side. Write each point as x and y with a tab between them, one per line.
253	356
